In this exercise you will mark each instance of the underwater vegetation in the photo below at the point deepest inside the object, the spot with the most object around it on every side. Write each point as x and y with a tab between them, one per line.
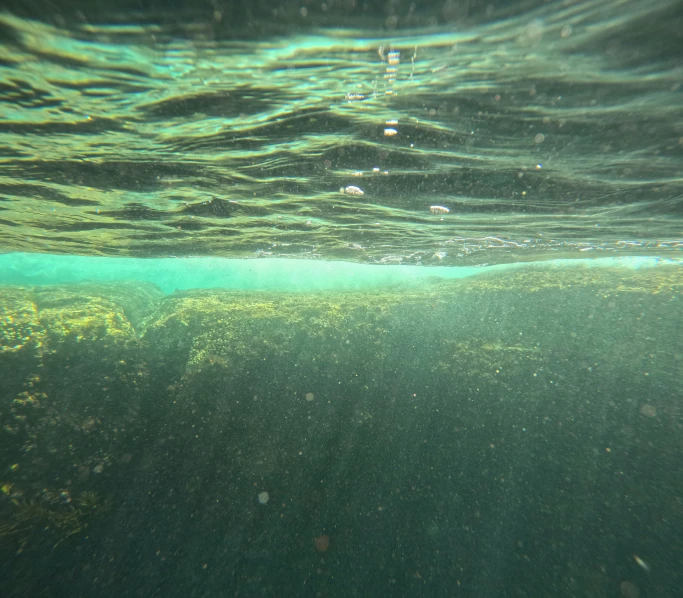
48	519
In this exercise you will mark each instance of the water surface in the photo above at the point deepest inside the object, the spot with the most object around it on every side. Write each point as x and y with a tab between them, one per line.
554	129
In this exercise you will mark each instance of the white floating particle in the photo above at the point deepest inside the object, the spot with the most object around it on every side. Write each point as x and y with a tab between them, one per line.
354	97
390	132
641	563
352	190
263	497
438	210
648	410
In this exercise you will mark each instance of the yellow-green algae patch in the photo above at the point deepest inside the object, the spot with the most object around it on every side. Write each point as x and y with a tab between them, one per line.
19	321
230	328
83	315
484	359
534	278
72	387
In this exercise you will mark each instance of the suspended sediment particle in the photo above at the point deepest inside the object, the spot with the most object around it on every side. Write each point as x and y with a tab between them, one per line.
352	190
648	410
322	543
438	210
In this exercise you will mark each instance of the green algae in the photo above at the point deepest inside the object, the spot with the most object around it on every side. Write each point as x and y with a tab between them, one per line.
52	515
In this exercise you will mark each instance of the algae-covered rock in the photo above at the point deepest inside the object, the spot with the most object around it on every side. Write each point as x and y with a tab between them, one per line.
90	311
73	380
232	329
22	336
202	399
19	322
534	277
485	360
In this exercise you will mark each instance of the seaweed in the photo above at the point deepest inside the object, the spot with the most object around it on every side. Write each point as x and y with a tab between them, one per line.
28	519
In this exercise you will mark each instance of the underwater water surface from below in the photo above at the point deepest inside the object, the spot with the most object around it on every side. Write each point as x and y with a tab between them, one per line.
487	133
341	299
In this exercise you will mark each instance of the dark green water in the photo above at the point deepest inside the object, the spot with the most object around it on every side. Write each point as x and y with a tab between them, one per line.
453	365
510	434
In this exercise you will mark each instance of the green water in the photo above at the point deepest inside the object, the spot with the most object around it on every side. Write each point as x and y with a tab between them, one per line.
271	274
343	298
